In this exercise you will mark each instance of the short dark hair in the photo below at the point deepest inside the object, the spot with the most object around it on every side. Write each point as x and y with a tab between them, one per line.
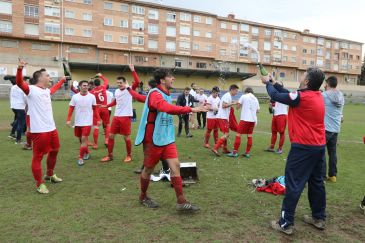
31	81
249	90
315	77
192	84
97	82
332	81
83	81
187	89
121	78
161	73
232	87
152	83
91	82
37	74
215	89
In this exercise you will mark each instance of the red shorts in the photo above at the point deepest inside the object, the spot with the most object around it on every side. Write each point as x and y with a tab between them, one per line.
82	131
45	142
27	121
278	123
104	115
212	123
121	125
153	154
223	125
245	127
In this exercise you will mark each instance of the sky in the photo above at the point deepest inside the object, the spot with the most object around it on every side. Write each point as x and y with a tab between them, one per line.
336	18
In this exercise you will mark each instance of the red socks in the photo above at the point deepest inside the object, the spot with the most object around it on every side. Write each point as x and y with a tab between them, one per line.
282	139
215	135
83	150
207	136
37	168
96	135
177	184
128	145
144	187
110	146
107	130
219	144
273	139
237	143
249	145
51	162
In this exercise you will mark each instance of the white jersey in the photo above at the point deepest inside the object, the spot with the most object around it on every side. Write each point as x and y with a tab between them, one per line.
124	103
280	109
83	109
250	106
214	103
109	98
223	113
40	110
17	98
202	99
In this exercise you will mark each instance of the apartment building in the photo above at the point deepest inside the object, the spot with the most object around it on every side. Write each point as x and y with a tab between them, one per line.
104	36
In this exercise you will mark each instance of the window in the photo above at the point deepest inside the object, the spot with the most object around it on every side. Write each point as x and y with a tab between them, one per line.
152	44
87	16
294	36
243	53
79	49
267	32
328	44
153	29
245	27
223	38
108	21
312	63
234	40
282	75
171	31
285	47
52	28
108	38
234	27
243	39
336	45
31	29
255	44
108	5
69	31
6	7
319	62
152	14
223	25
197	19
87	2
277	57
6	26
293	59
328	55
304	62
31	11
138	40
313	51
184	45
285	34
201	65
255	31
320	41
267	58
209	48
171	17
196	47
123	39
294	48
208	20
208	34
51	11
69	14
196	33
344	45
41	46
138	10
304	50
87	33
137	24
267	46
277	33
277	44
170	46
124	23
178	63
222	52
319	52
185	17
9	43
184	30
124	8
335	67
285	58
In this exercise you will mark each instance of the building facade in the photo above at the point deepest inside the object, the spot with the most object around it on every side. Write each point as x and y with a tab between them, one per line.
104	36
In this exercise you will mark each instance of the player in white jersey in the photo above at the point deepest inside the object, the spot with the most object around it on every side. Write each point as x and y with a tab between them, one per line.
278	125
202	98
110	97
84	105
121	123
250	107
17	104
223	118
212	122
42	126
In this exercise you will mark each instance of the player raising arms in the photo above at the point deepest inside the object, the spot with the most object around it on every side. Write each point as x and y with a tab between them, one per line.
42	125
156	132
84	105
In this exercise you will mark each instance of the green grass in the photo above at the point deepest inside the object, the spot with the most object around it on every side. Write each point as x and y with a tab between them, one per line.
91	205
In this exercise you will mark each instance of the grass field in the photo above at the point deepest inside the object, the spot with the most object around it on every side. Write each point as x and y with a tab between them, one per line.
99	202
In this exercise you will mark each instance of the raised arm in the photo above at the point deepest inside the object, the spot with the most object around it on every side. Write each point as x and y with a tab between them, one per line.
291	99
105	80
19	78
57	86
137	96
135	77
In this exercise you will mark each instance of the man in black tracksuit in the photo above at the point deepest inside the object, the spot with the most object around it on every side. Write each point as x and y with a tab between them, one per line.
185	99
